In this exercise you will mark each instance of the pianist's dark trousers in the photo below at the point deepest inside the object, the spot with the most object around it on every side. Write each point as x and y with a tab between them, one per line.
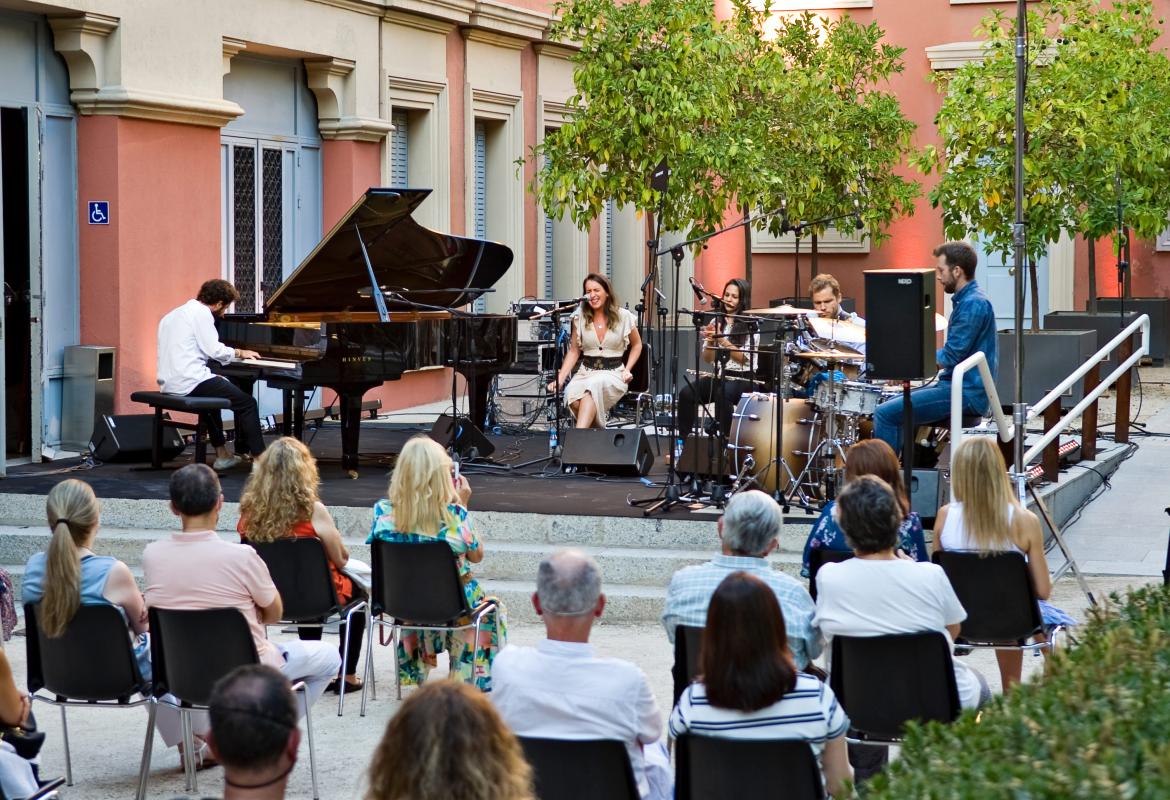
247	413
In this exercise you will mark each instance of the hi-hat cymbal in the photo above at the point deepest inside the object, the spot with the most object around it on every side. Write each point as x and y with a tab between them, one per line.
829	355
838	330
779	311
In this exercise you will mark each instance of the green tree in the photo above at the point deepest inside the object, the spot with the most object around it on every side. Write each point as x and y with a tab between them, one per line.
1098	97
744	119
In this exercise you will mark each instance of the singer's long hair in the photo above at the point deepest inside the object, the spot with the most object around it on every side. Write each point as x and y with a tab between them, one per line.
740	328
611	302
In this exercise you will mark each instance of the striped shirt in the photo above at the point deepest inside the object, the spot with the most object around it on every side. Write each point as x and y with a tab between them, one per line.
808	713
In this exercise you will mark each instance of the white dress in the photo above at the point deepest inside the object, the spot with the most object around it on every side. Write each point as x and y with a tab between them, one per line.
606	385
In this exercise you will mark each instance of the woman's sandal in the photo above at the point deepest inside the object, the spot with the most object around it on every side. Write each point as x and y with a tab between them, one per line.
203	756
334	686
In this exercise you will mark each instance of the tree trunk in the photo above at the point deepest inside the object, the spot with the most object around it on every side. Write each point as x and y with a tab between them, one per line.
1092	305
747	249
1034	288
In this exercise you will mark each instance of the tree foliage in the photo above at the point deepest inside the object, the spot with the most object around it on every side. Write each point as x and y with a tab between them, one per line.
744	118
1096	111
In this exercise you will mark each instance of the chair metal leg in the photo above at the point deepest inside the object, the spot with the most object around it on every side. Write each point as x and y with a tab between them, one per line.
397	671
68	759
312	748
188	750
345	655
369	668
147	749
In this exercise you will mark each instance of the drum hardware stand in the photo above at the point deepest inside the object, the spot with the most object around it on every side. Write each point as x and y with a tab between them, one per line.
830	446
649	291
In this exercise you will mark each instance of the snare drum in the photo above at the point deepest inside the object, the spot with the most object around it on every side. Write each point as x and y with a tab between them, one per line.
753	433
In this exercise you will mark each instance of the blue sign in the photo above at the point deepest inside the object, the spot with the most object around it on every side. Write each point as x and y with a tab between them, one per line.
99	212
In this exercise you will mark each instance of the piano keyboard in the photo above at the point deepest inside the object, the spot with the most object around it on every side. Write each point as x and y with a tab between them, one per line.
270	363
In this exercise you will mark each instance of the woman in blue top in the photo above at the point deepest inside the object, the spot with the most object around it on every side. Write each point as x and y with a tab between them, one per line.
869	457
69	574
426	503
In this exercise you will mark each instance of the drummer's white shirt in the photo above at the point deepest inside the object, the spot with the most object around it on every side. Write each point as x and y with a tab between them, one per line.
853	317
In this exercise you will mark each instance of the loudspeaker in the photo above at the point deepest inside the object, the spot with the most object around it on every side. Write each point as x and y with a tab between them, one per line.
461	433
700	456
899	323
126	438
615	452
924	493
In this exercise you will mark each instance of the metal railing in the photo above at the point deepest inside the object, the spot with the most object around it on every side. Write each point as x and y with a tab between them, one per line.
1006	429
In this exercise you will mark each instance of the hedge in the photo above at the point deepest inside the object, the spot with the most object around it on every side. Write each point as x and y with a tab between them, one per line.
1097	725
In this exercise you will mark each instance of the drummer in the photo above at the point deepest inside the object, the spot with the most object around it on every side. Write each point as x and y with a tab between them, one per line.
829	323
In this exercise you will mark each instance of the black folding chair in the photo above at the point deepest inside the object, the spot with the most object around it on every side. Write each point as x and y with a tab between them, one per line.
996	589
687	640
300	571
883	682
91	665
192	649
585	769
817	558
417	585
715	768
47	790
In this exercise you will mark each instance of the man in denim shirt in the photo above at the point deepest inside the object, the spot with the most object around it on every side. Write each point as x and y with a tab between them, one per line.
971	329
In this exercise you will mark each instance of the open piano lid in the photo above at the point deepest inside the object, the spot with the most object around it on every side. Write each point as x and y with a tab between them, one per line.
428	267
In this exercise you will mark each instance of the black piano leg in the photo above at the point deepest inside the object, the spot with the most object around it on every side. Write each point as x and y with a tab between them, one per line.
286	422
298	421
477	402
351	422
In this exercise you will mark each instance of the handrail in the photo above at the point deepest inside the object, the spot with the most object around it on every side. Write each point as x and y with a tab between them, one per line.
1006	430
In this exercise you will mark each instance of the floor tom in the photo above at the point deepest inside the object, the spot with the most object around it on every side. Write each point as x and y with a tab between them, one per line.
753	435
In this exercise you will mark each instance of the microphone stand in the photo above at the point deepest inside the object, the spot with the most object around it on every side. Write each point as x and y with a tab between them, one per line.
554	455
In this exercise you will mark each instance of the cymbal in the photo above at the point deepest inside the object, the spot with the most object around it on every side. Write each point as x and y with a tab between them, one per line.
779	311
839	330
830	355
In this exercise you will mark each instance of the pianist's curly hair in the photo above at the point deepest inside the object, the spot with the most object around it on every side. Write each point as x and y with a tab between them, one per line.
280	492
217	290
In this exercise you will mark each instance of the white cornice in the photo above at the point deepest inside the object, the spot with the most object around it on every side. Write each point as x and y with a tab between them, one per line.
120	101
428	24
355	129
495	39
370	7
232	47
457	12
556	50
953	55
509	20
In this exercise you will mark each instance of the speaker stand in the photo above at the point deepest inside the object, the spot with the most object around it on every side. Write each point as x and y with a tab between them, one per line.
907	439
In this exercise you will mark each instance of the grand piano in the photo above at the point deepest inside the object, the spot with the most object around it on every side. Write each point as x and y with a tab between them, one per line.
379	296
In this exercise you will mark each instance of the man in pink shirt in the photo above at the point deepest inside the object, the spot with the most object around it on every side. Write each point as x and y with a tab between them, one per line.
197	569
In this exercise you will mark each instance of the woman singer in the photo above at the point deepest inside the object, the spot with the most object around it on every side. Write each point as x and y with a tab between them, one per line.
602	333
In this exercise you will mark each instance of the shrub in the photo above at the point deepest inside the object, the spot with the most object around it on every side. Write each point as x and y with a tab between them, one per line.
1096	726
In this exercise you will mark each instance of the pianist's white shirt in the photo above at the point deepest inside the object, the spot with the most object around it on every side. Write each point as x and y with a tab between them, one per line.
186	339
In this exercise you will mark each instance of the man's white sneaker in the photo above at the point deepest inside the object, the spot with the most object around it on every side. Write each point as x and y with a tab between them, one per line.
226	463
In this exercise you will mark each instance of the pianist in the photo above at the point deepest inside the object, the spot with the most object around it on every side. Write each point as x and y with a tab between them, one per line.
186	340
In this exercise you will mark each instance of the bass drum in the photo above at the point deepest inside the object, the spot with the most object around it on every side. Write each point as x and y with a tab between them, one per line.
753	434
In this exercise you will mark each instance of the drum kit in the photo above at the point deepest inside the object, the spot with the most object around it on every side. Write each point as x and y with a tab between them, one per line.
815	430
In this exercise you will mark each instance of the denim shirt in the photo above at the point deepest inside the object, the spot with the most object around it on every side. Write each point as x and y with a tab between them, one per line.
971	329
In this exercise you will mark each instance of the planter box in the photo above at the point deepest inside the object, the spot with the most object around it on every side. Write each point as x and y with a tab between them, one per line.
1049	357
1159	310
1106	325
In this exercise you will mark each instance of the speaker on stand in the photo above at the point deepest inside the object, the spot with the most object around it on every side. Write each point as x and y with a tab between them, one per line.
460	434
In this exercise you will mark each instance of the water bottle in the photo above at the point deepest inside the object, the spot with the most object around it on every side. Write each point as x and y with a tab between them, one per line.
552	439
678	450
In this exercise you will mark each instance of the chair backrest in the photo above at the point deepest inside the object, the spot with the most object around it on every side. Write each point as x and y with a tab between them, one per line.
417	582
687	640
192	649
997	592
640	382
716	768
92	661
565	769
817	558
884	681
300	570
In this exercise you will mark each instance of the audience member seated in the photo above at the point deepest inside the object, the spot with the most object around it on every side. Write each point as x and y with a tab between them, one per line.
69	574
869	457
196	569
280	501
426	502
447	741
986	516
879	593
560	690
254	732
749	530
750	689
18	778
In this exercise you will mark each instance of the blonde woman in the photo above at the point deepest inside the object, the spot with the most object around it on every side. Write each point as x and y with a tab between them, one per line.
602	334
69	574
986	516
426	503
448	741
280	501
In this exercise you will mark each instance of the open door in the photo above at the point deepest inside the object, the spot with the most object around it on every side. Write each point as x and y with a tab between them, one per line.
4	303
16	272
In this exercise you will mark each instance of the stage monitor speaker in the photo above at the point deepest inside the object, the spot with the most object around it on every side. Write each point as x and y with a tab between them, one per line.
462	435
126	438
924	493
620	451
700	456
899	324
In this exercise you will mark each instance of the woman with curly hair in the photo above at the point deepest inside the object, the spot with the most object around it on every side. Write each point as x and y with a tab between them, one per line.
425	752
425	503
280	501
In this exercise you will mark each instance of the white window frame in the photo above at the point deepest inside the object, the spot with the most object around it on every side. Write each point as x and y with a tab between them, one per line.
429	144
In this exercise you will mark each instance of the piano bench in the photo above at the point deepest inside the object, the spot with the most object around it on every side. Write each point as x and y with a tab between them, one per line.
160	402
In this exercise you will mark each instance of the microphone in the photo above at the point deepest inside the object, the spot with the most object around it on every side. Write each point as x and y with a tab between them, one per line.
700	292
857	223
785	226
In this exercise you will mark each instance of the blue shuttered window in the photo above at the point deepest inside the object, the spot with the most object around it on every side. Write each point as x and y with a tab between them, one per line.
480	199
399	155
609	214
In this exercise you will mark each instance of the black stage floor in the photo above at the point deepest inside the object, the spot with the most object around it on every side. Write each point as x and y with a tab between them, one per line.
538	488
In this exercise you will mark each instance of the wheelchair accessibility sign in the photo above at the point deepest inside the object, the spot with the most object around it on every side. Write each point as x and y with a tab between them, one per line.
99	212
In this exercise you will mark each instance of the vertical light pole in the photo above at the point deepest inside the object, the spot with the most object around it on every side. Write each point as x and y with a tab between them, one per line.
1019	239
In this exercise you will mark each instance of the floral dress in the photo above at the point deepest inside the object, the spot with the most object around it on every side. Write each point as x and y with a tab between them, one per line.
827	534
417	649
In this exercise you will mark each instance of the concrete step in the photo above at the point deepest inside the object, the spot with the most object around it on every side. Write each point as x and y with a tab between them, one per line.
624	603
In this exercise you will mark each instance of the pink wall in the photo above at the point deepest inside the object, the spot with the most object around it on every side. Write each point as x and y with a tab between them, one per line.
348	169
144	263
